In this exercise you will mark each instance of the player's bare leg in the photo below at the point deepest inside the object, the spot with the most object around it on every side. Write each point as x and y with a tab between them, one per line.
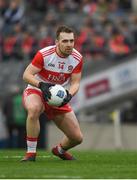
34	106
67	123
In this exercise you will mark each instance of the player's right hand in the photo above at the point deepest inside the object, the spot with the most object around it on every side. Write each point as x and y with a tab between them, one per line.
44	87
66	99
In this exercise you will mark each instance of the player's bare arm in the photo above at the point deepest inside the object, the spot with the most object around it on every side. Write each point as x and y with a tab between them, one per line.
29	73
74	83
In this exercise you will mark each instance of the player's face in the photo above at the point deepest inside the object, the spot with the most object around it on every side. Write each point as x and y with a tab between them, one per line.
65	43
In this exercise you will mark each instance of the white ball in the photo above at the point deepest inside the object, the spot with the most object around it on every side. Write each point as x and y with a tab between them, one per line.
58	93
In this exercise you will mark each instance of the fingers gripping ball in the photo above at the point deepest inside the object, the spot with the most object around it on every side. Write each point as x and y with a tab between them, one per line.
58	93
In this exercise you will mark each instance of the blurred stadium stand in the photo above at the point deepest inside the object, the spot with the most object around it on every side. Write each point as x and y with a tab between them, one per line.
106	35
96	23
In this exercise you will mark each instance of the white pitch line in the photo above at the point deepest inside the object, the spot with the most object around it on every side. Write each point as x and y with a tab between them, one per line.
49	177
61	177
14	157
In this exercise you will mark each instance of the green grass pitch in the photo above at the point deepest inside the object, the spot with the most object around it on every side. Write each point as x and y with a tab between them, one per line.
89	164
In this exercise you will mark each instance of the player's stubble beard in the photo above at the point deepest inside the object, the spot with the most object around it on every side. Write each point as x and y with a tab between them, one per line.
63	53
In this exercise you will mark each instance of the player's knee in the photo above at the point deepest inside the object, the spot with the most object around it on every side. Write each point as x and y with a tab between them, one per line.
78	138
34	111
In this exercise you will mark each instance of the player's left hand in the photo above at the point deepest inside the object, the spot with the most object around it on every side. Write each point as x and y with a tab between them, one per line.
66	99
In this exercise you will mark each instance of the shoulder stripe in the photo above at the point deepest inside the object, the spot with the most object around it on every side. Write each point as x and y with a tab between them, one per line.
75	57
48	50
74	54
48	53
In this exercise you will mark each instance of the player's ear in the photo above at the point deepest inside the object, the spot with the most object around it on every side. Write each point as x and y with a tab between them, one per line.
56	41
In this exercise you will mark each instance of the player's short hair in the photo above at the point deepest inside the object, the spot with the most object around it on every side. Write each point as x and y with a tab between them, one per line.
63	28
